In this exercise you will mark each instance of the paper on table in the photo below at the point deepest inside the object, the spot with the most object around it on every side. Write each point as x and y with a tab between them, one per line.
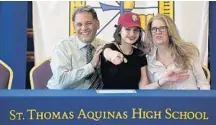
115	91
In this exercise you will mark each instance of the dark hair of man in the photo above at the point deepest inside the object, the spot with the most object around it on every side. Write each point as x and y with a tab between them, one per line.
88	9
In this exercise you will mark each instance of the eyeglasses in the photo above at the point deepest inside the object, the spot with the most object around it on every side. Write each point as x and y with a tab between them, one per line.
161	29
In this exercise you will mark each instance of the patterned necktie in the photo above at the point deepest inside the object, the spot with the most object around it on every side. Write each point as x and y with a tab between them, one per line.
95	77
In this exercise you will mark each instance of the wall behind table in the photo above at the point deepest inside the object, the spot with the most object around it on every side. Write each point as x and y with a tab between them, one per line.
212	41
13	39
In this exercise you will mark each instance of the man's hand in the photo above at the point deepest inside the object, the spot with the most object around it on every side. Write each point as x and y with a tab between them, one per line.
96	57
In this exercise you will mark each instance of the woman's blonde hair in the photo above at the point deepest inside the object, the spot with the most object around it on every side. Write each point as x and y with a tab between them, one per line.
184	52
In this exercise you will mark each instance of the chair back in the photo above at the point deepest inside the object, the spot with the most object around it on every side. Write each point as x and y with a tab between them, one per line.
6	76
40	74
207	73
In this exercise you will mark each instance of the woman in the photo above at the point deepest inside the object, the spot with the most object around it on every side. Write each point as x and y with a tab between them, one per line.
169	52
123	63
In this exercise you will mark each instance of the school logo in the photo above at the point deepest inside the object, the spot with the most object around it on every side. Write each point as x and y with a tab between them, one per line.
108	13
134	18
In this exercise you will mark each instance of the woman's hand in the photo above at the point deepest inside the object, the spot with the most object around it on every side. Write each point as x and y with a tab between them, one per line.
116	57
176	76
113	56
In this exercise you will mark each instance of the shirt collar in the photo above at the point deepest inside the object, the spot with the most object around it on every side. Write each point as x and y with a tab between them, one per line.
82	44
154	52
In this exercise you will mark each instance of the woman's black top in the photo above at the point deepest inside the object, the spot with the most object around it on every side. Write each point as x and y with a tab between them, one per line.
125	75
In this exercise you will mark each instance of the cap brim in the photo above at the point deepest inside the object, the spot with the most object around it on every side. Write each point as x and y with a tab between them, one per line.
131	25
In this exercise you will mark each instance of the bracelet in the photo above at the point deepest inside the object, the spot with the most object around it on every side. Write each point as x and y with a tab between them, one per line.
158	83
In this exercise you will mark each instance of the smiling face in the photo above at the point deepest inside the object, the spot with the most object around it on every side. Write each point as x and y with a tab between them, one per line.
159	32
85	26
129	35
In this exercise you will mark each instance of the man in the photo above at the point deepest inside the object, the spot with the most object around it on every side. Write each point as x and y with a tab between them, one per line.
73	63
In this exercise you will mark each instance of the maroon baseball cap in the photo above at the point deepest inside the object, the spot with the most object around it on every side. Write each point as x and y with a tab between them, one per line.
129	19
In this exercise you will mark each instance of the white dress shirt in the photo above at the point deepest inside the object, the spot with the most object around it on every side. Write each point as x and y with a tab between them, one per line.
196	80
68	64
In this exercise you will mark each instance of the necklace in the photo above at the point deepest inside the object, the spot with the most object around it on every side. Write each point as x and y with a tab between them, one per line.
123	52
125	59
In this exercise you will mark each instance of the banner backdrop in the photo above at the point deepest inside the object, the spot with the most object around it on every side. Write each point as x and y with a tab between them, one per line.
52	20
107	107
